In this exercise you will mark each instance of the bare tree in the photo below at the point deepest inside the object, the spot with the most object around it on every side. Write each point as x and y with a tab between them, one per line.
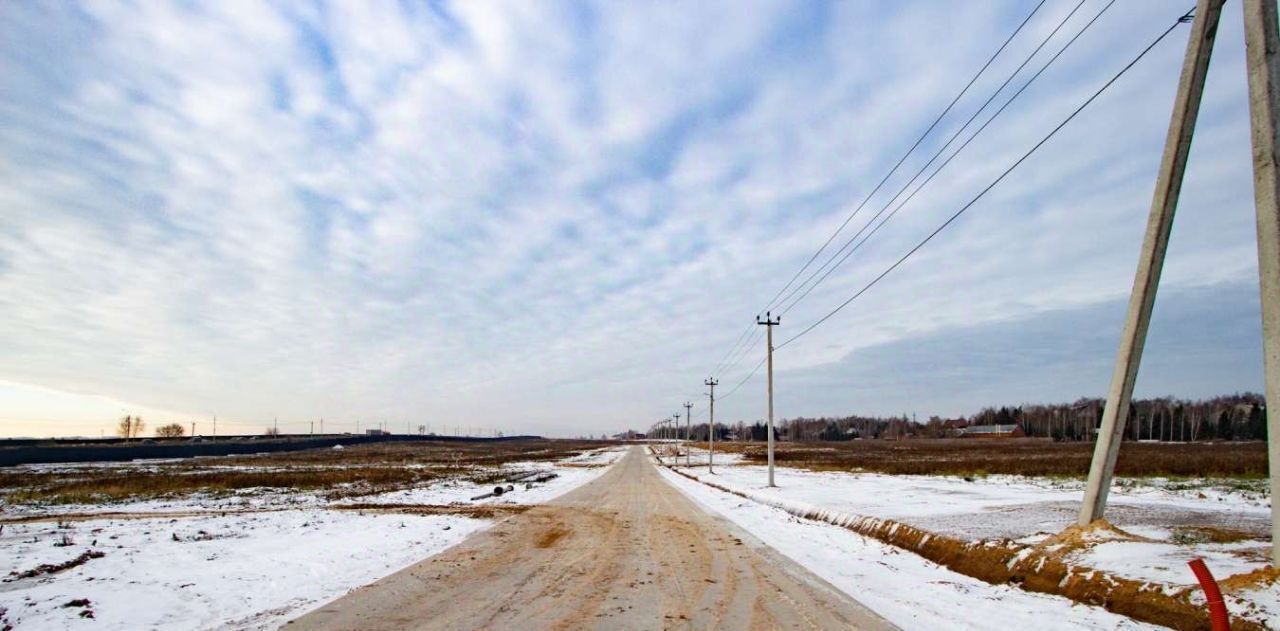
130	426
172	430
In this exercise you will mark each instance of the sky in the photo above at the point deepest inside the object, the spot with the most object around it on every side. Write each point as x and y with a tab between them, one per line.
558	218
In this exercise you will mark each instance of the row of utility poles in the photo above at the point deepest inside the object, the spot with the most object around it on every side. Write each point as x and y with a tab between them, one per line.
662	430
408	428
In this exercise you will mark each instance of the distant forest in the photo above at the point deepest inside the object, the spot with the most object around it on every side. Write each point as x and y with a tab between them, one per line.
1230	417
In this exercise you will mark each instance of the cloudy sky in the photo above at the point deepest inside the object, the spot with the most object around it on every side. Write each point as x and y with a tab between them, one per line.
559	217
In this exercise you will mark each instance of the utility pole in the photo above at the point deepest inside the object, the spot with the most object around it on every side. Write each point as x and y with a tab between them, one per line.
1262	60
275	425
322	425
688	434
215	425
1186	106
193	429
675	429
769	322
711	425
313	428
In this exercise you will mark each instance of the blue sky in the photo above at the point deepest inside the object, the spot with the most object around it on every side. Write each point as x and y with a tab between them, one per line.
557	217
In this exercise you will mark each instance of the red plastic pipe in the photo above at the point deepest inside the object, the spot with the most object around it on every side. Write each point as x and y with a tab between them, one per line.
1217	608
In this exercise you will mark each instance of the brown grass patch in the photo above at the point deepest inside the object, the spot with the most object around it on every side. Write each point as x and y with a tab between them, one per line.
351	472
1210	534
482	511
54	568
1020	456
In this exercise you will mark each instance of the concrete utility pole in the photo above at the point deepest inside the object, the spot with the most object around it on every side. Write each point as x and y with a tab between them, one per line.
1186	106
769	322
193	429
1262	59
688	434
711	425
675	428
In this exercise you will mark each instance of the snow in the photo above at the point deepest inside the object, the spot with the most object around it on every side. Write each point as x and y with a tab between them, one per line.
904	588
568	477
1164	562
249	561
1028	510
1010	506
246	571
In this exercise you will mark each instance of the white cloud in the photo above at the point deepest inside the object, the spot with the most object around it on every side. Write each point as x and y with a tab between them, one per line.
364	210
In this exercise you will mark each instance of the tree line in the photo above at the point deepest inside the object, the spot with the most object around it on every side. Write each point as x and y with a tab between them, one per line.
1240	416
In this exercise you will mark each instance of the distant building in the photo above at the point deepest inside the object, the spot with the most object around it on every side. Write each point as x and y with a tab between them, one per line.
992	431
376	432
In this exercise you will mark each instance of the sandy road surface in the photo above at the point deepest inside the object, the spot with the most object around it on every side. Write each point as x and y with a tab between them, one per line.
626	551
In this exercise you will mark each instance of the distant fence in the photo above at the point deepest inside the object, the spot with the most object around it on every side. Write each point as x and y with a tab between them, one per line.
24	451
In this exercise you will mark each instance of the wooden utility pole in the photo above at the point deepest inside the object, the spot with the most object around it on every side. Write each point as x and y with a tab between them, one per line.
769	322
1186	106
1262	48
711	425
688	434
193	429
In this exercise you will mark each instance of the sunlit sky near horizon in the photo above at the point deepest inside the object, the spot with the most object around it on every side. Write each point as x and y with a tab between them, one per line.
557	217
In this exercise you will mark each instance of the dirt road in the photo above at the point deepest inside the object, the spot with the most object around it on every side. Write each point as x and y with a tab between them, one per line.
626	551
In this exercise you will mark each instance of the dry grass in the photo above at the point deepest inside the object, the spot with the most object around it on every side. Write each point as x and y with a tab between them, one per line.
354	471
1030	456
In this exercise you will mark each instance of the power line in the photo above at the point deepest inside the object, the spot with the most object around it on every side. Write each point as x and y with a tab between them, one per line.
745	333
744	379
943	150
893	170
962	147
724	365
754	337
992	185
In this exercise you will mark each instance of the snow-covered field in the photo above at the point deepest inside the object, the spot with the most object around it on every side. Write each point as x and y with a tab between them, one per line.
906	589
244	562
1161	515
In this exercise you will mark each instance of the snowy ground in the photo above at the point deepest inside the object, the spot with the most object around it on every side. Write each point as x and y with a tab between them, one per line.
1157	512
240	562
904	588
